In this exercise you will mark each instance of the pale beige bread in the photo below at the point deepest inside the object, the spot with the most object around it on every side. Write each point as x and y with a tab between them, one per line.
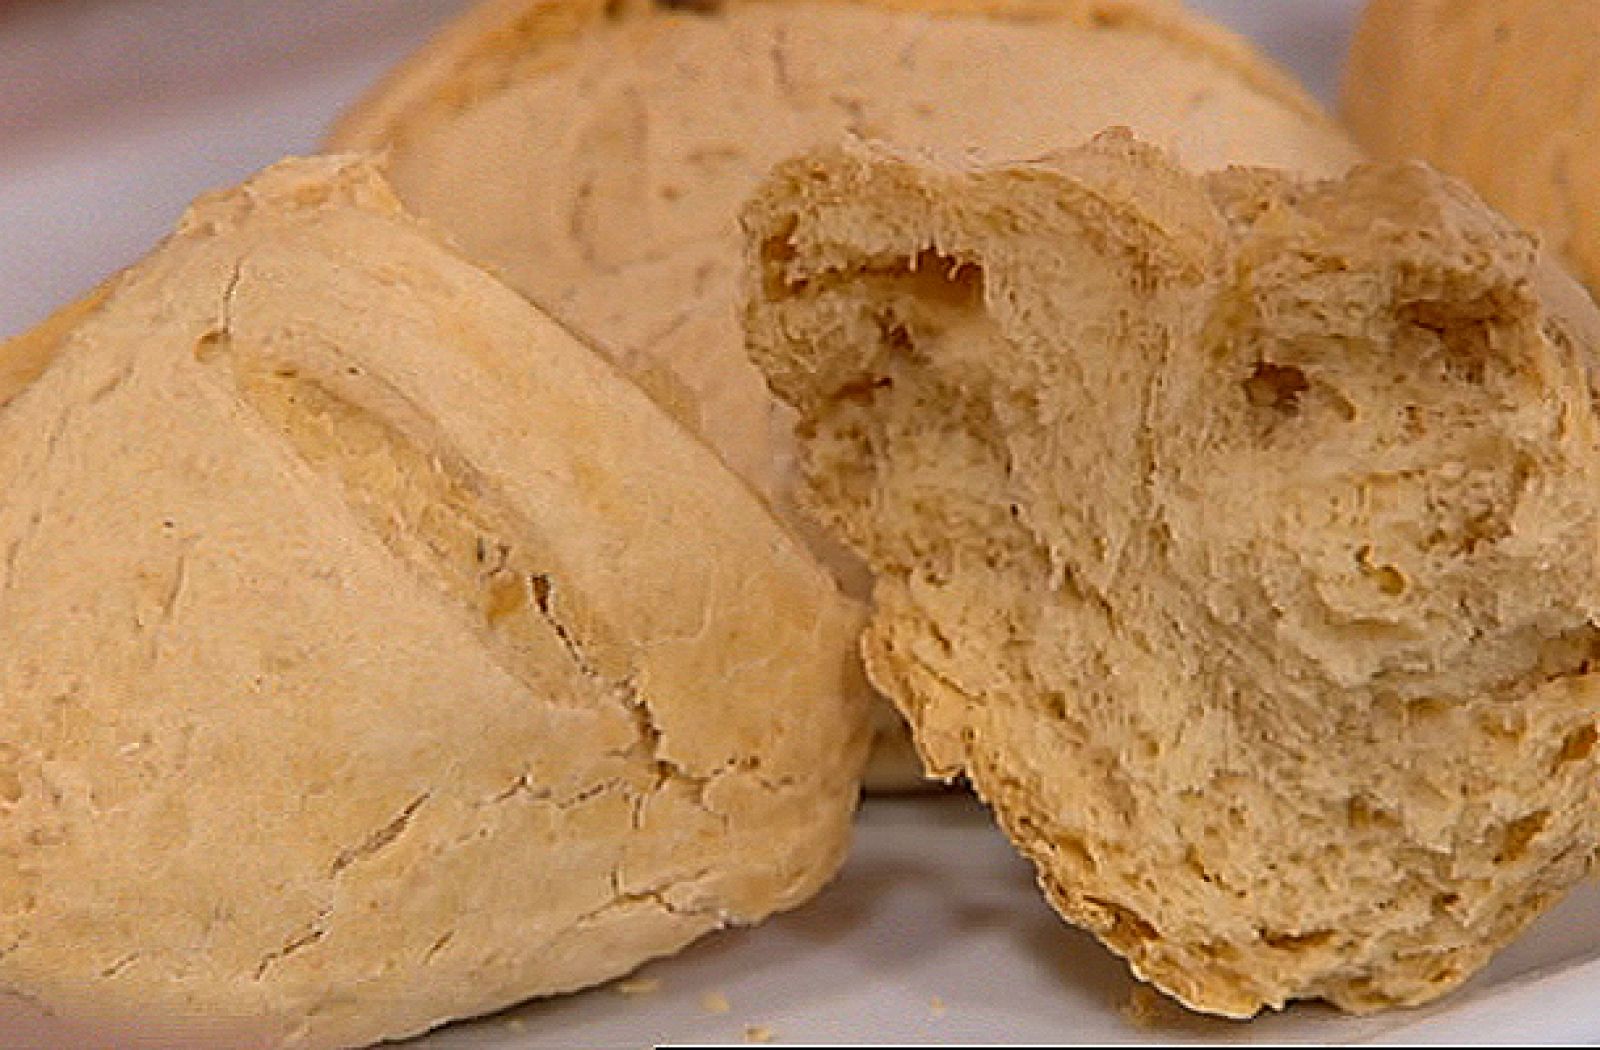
595	153
1504	93
1238	536
375	654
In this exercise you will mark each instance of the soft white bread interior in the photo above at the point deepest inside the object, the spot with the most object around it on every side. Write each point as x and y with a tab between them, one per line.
374	654
1236	535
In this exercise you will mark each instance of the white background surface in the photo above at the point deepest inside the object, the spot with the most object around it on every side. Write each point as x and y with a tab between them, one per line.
115	113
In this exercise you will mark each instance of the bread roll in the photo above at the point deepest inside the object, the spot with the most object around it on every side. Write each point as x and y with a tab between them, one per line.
595	152
374	654
1501	92
1236	535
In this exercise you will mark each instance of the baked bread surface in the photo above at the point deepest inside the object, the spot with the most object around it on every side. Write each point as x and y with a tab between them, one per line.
375	654
1504	93
595	153
1235	535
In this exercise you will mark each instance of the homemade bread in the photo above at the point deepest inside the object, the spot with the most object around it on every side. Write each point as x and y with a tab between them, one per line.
595	153
1503	93
1238	536
375	654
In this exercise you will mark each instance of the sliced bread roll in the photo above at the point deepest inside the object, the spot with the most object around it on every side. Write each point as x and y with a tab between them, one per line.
1503	93
375	654
1238	536
595	153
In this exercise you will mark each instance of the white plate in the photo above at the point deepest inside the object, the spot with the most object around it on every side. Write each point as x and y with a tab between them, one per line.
114	114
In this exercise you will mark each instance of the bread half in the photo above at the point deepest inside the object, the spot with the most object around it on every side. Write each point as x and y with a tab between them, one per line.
595	153
376	655
1236	535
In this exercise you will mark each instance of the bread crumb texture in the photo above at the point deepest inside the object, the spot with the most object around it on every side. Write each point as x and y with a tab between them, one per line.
1504	93
1236	535
374	654
595	153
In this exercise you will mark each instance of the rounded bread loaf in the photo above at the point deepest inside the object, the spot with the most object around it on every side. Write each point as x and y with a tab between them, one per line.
1238	536
595	153
1504	93
375	654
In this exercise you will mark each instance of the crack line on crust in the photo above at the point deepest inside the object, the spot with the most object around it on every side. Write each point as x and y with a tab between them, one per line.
504	585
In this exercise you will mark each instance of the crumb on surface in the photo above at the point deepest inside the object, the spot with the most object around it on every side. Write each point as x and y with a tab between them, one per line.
936	1006
758	1033
1143	1006
715	1003
635	986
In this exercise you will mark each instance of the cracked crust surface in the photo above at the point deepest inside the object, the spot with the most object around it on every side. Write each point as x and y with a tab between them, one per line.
595	153
375	655
1504	93
1236	536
